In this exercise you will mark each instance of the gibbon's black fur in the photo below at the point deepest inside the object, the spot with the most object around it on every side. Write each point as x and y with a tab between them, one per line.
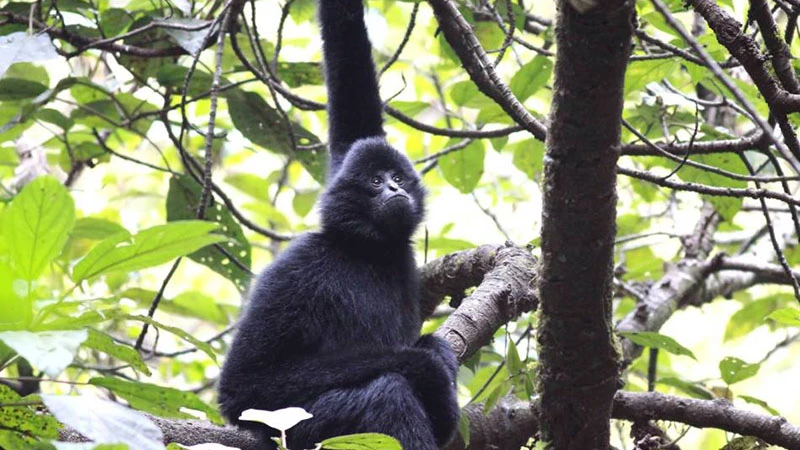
333	324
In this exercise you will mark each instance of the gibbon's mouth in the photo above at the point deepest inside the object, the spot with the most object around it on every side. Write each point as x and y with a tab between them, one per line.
396	197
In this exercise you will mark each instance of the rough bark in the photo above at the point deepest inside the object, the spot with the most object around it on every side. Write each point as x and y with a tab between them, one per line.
579	369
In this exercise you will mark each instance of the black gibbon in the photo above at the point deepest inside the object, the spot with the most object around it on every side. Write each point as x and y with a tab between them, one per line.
333	324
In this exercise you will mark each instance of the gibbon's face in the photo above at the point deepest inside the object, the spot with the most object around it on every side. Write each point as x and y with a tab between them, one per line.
376	194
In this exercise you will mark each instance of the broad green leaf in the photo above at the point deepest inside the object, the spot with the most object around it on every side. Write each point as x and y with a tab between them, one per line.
531	77
786	316
159	400
734	370
36	225
641	263
641	73
95	228
750	317
231	258
303	202
49	351
761	403
465	93
104	421
187	304
365	441
16	306
24	418
463	168
174	76
55	117
114	21
19	89
183	334
263	125
656	340
528	157
151	247
104	343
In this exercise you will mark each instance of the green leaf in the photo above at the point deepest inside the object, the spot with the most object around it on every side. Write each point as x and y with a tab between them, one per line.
151	247
727	207
531	77
19	89
24	418
786	316
159	400
105	422
734	370
364	441
95	228
49	351
187	304
55	117
761	403
104	343
463	168
463	429
303	202
232	258
656	340
750	317
528	157
114	21
299	73
263	125
512	358
204	347
36	225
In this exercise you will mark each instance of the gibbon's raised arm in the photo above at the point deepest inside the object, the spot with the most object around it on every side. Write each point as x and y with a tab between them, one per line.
354	103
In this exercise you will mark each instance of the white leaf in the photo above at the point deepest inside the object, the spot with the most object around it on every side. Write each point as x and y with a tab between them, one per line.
281	419
105	422
191	41
49	351
22	47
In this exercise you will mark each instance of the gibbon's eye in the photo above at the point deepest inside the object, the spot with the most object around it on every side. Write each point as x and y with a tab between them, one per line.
376	181
397	179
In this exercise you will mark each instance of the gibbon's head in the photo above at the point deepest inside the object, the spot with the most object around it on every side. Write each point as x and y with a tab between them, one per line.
376	194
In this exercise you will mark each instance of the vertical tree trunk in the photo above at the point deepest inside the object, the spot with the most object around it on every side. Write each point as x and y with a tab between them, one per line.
579	364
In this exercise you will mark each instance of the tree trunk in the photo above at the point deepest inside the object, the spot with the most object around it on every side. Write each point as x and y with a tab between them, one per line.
579	364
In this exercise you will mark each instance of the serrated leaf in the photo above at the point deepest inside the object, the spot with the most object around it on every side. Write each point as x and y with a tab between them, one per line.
232	259
151	247
364	441
105	422
158	400
104	343
734	370
204	347
24	418
531	77
656	340
49	351
36	225
786	316
463	168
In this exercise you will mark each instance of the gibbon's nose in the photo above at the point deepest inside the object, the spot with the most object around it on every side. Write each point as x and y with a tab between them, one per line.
393	186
